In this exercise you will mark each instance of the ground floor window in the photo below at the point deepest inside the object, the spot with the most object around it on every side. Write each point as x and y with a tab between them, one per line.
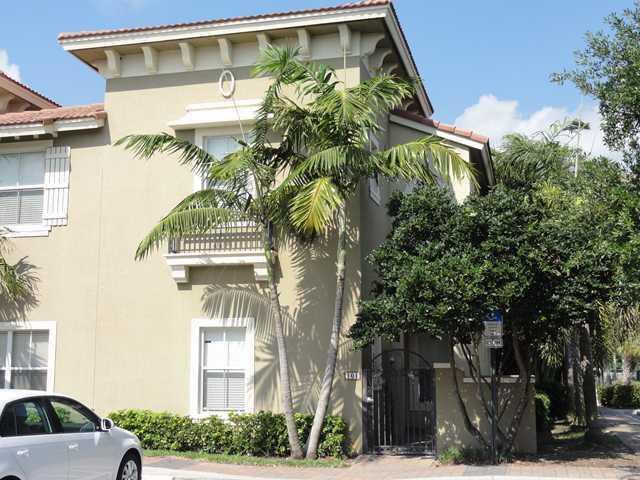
26	355
222	364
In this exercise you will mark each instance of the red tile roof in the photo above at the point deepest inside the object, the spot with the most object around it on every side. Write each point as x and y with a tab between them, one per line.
4	76
49	115
443	126
202	23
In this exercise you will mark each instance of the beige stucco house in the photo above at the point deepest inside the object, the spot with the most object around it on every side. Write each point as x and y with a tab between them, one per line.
163	334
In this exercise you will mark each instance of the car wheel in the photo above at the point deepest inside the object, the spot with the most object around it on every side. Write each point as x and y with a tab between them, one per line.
130	468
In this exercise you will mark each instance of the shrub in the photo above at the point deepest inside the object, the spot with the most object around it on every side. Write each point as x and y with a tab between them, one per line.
451	455
620	395
560	397
544	420
460	456
259	434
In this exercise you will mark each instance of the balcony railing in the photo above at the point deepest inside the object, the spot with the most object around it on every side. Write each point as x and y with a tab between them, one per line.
234	237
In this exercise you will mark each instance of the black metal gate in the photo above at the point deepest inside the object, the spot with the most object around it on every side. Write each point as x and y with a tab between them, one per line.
399	409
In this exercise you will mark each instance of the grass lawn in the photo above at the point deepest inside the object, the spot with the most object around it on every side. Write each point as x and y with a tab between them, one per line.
572	438
248	460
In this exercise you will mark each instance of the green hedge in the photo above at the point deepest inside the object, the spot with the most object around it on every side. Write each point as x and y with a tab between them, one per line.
560	397
620	395
262	434
544	420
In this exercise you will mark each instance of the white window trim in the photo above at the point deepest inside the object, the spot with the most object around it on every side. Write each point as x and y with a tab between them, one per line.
26	147
10	327
195	398
26	230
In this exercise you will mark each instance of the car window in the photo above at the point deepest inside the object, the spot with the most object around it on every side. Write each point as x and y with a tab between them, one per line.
24	418
74	417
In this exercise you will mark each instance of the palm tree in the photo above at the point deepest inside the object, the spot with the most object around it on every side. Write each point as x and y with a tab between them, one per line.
621	333
240	186
17	282
332	126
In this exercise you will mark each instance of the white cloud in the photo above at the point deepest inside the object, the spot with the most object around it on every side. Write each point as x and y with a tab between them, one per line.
8	68
495	118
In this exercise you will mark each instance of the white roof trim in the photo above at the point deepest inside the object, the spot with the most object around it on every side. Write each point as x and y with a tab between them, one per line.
407	60
217	114
40	128
294	20
405	122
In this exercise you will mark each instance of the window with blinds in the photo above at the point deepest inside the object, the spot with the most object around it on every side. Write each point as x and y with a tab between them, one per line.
24	359
21	188
223	369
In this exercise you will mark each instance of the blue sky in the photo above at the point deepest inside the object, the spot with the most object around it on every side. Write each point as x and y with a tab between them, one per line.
486	64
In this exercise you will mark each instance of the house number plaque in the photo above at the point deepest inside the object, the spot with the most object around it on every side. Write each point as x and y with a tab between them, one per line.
352	375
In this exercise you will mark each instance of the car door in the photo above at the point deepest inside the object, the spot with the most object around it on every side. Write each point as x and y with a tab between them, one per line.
92	453
28	435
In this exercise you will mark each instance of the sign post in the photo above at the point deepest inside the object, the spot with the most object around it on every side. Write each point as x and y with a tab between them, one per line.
493	340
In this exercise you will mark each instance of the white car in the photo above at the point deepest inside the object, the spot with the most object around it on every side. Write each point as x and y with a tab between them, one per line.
53	437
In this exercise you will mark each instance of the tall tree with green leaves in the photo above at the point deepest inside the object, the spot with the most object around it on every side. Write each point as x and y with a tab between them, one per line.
240	187
608	69
333	126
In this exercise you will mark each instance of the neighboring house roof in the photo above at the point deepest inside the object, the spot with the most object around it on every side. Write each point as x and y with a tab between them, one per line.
207	23
95	111
23	92
479	143
438	125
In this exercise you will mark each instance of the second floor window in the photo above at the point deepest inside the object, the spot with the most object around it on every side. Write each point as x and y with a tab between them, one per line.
219	147
21	188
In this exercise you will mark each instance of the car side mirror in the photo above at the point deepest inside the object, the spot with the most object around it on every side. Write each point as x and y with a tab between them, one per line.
106	424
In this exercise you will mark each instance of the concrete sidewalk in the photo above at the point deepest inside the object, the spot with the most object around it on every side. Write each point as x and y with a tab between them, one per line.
625	424
379	468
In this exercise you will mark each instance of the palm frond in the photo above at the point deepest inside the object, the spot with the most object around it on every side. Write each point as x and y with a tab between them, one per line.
186	221
385	92
423	160
313	208
146	146
334	161
13	286
210	198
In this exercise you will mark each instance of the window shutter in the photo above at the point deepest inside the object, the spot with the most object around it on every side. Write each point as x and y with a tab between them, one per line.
56	186
236	387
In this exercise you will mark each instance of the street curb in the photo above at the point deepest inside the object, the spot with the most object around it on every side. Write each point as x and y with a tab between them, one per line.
162	474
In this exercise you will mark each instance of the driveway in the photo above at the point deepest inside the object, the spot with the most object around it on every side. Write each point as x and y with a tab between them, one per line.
624	424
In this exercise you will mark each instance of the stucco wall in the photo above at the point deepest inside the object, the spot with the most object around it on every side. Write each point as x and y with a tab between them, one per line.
123	327
450	425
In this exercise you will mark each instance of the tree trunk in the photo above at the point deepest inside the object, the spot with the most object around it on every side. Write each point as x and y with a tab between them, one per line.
334	342
567	374
589	379
516	421
471	428
627	375
578	405
283	360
